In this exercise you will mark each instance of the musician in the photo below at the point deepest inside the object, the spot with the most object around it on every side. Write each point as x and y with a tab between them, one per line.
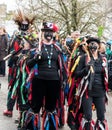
93	85
47	80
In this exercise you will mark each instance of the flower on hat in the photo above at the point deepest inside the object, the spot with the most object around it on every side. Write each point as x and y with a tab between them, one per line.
55	28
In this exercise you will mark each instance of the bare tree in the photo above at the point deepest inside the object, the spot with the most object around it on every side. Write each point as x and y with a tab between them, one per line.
83	15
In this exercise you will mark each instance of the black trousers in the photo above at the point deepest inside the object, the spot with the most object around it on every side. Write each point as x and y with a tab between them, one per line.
10	104
99	103
44	89
2	68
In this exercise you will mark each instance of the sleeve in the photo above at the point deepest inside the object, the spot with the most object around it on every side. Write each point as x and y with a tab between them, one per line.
81	69
64	69
31	60
12	61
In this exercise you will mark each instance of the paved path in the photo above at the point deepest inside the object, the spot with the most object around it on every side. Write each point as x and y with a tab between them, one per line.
7	123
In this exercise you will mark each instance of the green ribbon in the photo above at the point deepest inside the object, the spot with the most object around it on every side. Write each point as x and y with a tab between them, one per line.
16	83
23	82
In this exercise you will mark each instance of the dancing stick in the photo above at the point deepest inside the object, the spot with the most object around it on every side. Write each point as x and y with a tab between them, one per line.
40	39
12	54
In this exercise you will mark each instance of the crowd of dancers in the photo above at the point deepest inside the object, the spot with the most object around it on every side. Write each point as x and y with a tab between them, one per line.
46	72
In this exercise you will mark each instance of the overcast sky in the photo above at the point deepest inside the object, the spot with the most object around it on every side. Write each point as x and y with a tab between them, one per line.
10	4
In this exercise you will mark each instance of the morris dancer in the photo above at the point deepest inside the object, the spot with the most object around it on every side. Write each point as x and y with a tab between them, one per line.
45	81
74	121
92	87
15	47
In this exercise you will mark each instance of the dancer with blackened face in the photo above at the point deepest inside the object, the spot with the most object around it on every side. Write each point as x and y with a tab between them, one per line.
47	80
19	47
92	70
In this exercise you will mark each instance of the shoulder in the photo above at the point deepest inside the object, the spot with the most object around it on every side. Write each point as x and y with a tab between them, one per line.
83	59
57	47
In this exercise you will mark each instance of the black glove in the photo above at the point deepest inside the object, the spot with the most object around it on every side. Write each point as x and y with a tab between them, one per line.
38	56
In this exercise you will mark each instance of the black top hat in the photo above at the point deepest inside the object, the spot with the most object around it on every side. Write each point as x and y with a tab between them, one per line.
48	26
93	39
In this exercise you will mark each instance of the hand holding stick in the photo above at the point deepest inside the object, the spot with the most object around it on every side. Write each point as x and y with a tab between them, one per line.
12	54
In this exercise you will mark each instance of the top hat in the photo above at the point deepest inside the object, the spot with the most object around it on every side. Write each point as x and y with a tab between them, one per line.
48	26
93	39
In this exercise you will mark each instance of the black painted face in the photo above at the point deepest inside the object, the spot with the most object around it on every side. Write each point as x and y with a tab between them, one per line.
48	35
24	26
93	46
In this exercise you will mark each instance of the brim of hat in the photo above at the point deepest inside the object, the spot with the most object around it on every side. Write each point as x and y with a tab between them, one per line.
93	40
47	29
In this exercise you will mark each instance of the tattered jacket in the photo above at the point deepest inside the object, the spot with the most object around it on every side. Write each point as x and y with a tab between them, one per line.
84	82
34	70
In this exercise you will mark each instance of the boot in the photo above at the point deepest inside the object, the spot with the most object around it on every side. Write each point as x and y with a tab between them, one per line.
7	113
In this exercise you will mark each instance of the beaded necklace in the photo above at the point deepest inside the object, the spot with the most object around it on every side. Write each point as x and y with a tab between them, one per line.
49	54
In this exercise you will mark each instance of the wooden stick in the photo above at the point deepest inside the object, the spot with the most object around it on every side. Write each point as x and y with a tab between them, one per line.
40	38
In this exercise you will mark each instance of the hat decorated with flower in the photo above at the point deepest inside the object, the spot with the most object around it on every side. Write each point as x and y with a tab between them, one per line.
49	26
